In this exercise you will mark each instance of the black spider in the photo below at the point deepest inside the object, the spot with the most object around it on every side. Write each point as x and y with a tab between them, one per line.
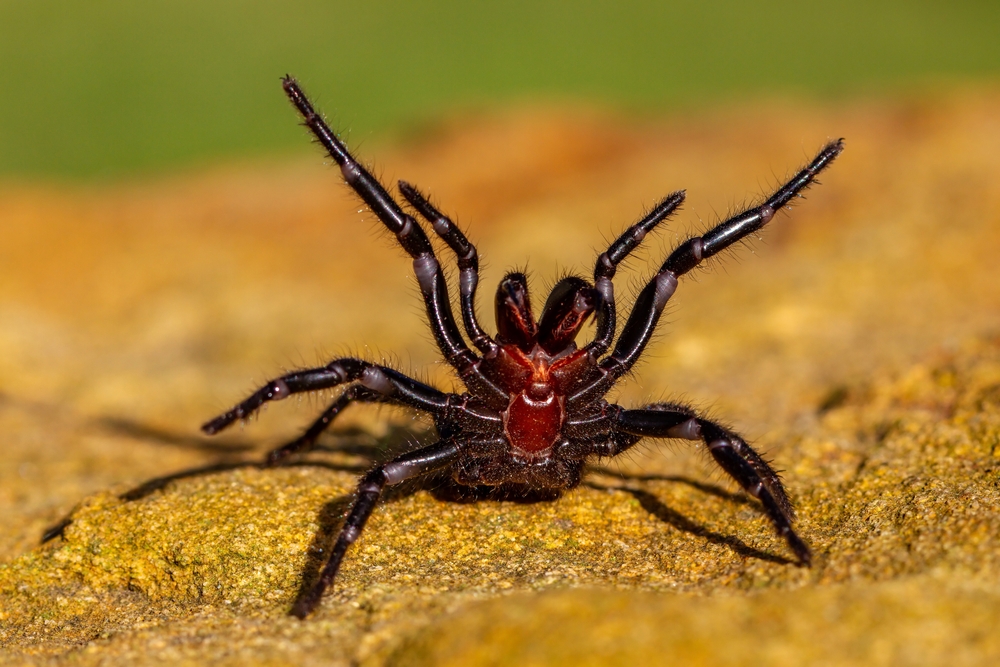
534	409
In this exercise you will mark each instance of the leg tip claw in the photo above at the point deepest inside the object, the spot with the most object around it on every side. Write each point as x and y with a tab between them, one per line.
304	606
801	550
213	426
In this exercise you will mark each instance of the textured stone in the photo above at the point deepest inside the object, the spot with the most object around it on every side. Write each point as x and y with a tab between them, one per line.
859	349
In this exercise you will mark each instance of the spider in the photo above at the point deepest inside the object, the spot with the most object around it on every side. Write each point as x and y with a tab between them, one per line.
534	410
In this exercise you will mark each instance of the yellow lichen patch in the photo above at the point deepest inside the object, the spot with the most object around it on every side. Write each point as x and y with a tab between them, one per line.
926	476
237	539
921	502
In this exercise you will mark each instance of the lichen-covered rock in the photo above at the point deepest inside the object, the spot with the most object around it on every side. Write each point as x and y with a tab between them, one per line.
913	621
860	352
909	539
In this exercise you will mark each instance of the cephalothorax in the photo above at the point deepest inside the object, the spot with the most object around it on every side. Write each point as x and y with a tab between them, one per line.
533	411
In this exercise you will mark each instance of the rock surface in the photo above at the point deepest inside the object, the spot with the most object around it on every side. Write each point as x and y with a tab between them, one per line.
857	345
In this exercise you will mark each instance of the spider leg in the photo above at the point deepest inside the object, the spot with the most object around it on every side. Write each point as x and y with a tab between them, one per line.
607	265
730	451
654	296
306	441
468	265
420	462
392	385
411	238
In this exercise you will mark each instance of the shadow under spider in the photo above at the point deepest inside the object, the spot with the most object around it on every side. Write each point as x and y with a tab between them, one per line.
132	429
358	442
737	497
224	458
443	488
661	511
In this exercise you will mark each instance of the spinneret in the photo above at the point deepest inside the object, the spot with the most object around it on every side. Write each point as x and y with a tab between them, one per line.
533	410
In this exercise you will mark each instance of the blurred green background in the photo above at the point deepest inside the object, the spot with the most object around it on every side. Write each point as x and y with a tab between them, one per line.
105	88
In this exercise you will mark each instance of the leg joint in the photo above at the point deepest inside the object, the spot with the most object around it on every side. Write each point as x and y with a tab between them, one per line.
714	445
373	378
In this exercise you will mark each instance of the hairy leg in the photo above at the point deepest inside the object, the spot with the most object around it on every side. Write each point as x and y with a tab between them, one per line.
607	266
392	385
654	296
370	488
411	238
354	394
468	264
730	452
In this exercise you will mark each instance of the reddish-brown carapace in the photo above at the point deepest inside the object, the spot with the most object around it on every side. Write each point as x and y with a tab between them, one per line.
533	411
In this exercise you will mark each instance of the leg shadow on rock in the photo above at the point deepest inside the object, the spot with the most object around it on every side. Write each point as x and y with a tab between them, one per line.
352	443
225	448
360	449
155	484
661	511
737	497
149	487
331	516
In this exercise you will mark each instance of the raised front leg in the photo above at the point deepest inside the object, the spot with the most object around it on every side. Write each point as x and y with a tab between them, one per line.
420	462
733	455
411	238
607	266
654	296
468	265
